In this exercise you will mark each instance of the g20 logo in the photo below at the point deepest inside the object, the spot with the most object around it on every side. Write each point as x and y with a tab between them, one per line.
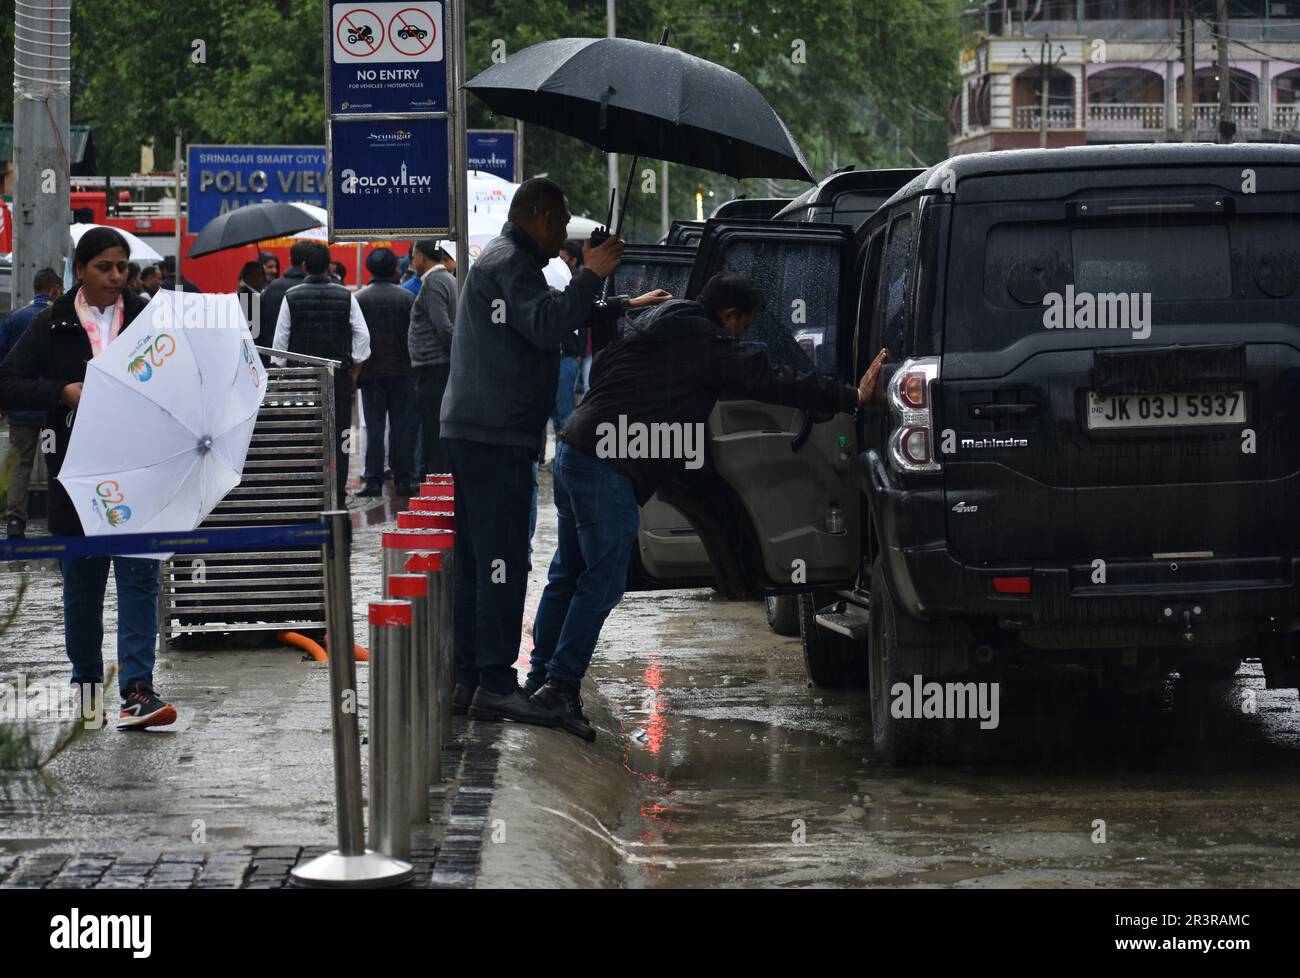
250	361
111	503
154	354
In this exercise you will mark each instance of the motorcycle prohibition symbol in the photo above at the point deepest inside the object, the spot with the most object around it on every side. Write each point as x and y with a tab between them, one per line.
357	34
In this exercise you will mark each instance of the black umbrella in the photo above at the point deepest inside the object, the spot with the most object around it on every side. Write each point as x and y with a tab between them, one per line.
251	224
627	96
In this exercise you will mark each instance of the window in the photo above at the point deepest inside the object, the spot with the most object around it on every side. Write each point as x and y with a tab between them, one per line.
865	339
800	284
893	287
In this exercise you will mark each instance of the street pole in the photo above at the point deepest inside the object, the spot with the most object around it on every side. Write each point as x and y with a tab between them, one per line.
1227	126
519	151
612	158
1045	101
179	240
1189	72
460	148
41	206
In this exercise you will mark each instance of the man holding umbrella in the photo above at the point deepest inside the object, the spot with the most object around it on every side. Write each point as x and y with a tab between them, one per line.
500	394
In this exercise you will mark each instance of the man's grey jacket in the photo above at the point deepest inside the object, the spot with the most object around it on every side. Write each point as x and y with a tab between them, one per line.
429	338
505	354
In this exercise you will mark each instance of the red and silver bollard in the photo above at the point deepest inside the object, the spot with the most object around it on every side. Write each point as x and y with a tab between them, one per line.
397	542
429	565
415	589
426	520
390	727
444	543
433	504
351	864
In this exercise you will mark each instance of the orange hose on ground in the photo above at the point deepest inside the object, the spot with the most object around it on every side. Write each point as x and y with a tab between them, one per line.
315	650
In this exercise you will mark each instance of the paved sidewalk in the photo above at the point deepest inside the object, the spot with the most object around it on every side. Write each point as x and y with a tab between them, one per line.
241	788
445	854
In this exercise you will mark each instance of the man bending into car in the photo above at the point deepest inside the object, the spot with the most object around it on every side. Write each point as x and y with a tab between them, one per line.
663	374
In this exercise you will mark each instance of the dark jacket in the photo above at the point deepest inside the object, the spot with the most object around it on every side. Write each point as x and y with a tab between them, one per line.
169	284
387	309
52	354
11	331
431	319
320	319
269	305
505	360
671	366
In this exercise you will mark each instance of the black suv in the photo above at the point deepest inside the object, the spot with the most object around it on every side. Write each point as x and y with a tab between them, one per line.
1085	458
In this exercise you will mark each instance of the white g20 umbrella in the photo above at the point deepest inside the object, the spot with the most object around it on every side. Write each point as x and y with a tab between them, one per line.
139	250
165	418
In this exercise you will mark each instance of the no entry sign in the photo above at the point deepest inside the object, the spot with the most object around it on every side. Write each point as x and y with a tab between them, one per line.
387	57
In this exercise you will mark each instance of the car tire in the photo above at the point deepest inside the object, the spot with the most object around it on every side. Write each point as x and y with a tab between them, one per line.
782	613
902	647
832	661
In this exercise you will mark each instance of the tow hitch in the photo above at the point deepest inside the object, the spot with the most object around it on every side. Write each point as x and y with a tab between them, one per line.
1187	616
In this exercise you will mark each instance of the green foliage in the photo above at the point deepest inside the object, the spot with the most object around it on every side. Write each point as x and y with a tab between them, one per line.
872	89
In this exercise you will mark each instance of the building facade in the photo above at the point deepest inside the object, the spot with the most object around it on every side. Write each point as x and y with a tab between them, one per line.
1114	72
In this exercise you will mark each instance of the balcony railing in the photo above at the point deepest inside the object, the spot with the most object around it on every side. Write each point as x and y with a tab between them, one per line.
1206	114
1286	116
1120	115
1058	117
1114	115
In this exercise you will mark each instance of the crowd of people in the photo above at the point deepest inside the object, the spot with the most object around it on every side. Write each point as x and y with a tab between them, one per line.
465	383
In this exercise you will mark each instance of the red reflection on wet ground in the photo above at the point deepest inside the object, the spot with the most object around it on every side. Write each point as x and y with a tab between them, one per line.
656	724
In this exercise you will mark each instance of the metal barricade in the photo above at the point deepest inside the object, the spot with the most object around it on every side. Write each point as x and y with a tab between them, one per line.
289	477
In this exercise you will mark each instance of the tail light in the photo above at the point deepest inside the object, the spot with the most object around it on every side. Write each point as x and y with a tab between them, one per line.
912	444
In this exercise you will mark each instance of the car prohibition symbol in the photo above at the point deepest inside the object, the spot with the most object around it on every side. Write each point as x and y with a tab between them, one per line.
408	32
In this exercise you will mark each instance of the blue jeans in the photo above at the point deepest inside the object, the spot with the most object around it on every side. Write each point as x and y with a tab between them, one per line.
493	485
586	375
565	397
84	581
391	398
598	520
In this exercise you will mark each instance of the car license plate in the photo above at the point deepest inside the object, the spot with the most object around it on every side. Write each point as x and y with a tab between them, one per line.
1165	410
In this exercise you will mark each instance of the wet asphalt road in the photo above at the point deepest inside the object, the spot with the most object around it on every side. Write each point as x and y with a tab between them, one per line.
747	776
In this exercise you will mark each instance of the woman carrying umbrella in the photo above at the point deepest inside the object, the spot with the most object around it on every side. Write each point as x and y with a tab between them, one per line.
45	371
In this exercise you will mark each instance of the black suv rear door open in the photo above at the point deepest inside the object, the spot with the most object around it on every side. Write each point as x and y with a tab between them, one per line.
773	517
669	553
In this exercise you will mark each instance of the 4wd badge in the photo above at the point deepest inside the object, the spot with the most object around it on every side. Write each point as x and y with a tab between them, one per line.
965	507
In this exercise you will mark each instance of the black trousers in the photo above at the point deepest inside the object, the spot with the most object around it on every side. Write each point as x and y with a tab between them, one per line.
431	384
494	493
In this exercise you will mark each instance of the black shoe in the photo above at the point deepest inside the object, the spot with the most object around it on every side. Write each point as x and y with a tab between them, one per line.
531	686
141	707
509	706
563	703
16	530
371	489
461	697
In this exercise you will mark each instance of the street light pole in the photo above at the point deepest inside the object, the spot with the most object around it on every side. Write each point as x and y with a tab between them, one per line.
1227	125
1045	100
41	205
